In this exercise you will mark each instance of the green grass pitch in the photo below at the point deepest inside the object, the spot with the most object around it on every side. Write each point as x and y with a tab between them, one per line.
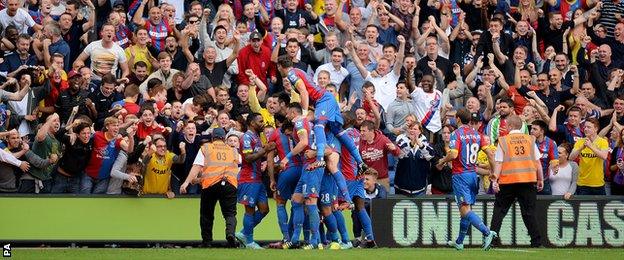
380	253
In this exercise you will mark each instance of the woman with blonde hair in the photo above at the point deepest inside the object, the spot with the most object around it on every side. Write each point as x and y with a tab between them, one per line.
527	12
225	12
563	178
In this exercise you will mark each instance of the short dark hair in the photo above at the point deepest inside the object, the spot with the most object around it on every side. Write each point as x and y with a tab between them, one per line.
338	49
509	101
109	79
251	117
148	106
496	19
372	26
574	109
296	106
541	124
284	61
292	40
219	27
463	115
24	36
78	128
282	97
141	64
593	121
370	125
140	28
389	45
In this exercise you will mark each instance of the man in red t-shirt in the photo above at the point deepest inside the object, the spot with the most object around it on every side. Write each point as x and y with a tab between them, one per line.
374	148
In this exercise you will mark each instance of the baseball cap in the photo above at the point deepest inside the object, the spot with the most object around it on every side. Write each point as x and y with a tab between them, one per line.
218	133
255	35
73	73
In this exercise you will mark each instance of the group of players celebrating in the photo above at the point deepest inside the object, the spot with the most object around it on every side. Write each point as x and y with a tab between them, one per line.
320	166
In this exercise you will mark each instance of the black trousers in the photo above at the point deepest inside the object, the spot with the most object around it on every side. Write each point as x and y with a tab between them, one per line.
226	196
526	194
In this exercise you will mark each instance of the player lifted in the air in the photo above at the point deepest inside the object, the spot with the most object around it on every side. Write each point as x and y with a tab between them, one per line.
326	112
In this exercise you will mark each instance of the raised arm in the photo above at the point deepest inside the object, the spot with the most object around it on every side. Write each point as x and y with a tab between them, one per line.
499	74
357	61
398	23
235	50
497	51
92	15
276	49
398	63
138	16
473	74
552	124
446	45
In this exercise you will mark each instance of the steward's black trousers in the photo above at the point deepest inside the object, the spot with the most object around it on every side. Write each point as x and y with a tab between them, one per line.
225	194
526	194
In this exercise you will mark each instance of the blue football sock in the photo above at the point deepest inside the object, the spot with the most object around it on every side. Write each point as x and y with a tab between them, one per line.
313	216
282	219
332	227
342	227
464	224
248	225
366	224
320	139
347	141
258	216
297	219
341	182
478	223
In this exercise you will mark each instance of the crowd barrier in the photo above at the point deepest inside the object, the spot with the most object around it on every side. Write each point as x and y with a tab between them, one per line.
589	221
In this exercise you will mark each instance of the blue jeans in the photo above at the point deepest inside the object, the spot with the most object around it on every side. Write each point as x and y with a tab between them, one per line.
64	184
547	189
192	189
90	185
28	186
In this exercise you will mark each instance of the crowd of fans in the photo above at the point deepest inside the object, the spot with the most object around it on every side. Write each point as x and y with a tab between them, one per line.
99	95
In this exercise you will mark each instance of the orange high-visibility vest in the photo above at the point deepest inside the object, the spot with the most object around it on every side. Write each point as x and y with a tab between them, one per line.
518	159
220	164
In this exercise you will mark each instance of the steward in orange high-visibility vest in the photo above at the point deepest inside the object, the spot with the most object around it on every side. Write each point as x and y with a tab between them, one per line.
516	173
518	159
218	164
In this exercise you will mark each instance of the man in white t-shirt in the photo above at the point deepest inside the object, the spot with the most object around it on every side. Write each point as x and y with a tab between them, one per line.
337	73
427	101
383	78
106	55
14	15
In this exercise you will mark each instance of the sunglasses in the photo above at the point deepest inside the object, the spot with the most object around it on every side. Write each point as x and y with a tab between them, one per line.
193	21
